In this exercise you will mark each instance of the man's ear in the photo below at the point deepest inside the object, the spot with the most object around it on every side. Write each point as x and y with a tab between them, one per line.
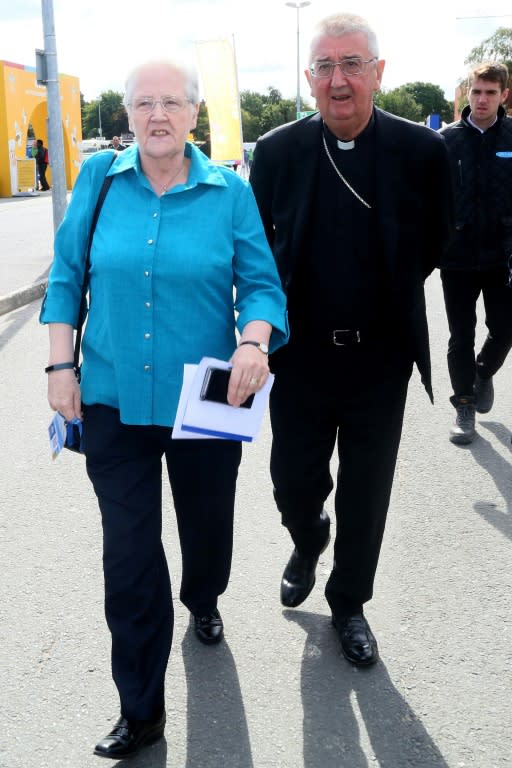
381	63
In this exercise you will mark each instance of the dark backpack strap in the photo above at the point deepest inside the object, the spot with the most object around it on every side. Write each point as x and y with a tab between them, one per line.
107	181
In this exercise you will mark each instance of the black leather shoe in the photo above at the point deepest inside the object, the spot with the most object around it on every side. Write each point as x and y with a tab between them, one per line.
127	737
484	394
209	629
299	577
357	641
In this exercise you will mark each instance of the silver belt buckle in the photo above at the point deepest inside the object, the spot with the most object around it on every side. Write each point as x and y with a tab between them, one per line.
355	340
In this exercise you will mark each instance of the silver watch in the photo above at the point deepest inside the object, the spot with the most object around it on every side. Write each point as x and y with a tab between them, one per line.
261	346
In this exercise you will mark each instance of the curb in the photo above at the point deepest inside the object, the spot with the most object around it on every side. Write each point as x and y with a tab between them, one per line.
22	296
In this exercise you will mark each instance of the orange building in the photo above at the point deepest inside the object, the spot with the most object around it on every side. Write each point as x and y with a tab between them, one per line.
23	103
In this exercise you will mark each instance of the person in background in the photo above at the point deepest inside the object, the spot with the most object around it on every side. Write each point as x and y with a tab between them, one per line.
357	207
480	150
162	296
206	147
116	144
41	156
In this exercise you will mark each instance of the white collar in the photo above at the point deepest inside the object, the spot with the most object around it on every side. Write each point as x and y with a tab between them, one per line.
482	130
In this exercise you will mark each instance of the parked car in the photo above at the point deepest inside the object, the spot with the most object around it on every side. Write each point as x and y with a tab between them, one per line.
89	146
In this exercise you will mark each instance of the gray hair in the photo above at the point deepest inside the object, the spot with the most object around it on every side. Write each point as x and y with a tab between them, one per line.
188	72
341	24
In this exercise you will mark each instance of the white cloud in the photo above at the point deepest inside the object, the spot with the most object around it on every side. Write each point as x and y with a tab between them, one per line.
100	44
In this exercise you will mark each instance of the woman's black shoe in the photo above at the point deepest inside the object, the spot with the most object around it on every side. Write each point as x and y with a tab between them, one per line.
128	737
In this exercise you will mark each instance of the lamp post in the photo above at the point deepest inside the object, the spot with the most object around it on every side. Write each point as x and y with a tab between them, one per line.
298	6
99	116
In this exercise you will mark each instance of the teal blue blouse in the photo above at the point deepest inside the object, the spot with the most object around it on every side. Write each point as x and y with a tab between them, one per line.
171	278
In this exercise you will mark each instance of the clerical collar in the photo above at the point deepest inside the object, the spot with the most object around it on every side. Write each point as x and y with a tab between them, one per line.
352	143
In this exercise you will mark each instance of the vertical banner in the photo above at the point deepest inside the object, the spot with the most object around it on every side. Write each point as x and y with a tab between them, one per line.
217	67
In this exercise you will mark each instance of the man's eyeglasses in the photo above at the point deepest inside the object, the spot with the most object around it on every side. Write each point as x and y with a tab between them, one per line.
145	105
354	65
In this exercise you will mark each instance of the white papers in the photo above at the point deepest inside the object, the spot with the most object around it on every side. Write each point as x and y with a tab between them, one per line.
196	418
57	434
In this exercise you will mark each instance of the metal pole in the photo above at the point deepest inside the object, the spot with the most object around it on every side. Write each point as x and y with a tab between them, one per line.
55	135
298	5
99	115
298	62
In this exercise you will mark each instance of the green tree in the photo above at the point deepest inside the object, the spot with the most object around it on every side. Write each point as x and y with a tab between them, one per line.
498	47
431	99
274	115
252	102
250	126
274	95
262	112
399	102
202	128
114	120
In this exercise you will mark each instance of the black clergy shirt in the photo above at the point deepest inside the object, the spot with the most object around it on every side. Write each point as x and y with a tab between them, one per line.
340	283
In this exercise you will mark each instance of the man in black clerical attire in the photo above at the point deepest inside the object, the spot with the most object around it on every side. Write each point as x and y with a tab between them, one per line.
357	206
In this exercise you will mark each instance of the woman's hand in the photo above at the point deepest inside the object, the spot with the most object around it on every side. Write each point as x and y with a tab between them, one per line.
63	388
248	375
64	394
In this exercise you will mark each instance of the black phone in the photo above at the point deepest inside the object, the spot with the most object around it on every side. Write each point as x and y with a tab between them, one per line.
215	387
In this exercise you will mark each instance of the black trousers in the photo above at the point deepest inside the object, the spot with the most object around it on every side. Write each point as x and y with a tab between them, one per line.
461	291
355	397
41	170
124	464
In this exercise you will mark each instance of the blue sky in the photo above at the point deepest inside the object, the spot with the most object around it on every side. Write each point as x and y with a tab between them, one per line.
100	44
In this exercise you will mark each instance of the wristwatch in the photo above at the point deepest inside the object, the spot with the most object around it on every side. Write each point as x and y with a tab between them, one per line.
261	346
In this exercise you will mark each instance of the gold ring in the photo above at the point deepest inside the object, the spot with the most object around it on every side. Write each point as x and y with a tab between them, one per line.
253	382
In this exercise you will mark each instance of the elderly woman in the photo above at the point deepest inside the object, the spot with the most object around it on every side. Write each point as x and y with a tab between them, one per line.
162	282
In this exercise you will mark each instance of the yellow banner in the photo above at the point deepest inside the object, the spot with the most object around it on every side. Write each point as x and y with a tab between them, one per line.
216	59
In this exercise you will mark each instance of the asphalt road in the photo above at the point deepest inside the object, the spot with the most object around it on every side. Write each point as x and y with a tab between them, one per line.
277	693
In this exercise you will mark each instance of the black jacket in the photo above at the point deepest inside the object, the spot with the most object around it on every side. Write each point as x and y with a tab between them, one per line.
481	166
413	206
40	156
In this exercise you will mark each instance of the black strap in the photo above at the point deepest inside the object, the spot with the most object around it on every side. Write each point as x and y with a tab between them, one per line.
107	181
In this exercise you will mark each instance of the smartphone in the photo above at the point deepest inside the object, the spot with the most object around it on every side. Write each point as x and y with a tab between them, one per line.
215	387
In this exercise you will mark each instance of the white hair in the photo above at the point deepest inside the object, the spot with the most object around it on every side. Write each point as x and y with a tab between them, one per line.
341	24
188	72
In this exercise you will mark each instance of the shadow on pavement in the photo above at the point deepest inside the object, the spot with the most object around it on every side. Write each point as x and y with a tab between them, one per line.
501	472
16	320
217	732
151	757
338	698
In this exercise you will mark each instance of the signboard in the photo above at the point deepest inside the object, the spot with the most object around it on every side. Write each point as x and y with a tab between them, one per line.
306	114
434	121
26	174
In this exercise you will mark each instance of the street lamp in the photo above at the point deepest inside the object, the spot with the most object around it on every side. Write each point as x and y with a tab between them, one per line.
298	6
99	116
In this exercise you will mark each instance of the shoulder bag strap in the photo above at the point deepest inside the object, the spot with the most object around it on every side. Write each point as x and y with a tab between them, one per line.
107	181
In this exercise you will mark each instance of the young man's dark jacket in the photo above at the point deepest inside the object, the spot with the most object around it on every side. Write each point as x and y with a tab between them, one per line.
481	165
414	209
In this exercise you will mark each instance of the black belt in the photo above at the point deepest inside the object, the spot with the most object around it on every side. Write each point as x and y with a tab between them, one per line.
345	337
342	337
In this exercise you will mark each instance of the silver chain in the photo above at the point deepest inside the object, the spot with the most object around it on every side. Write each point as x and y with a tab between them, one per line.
361	200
